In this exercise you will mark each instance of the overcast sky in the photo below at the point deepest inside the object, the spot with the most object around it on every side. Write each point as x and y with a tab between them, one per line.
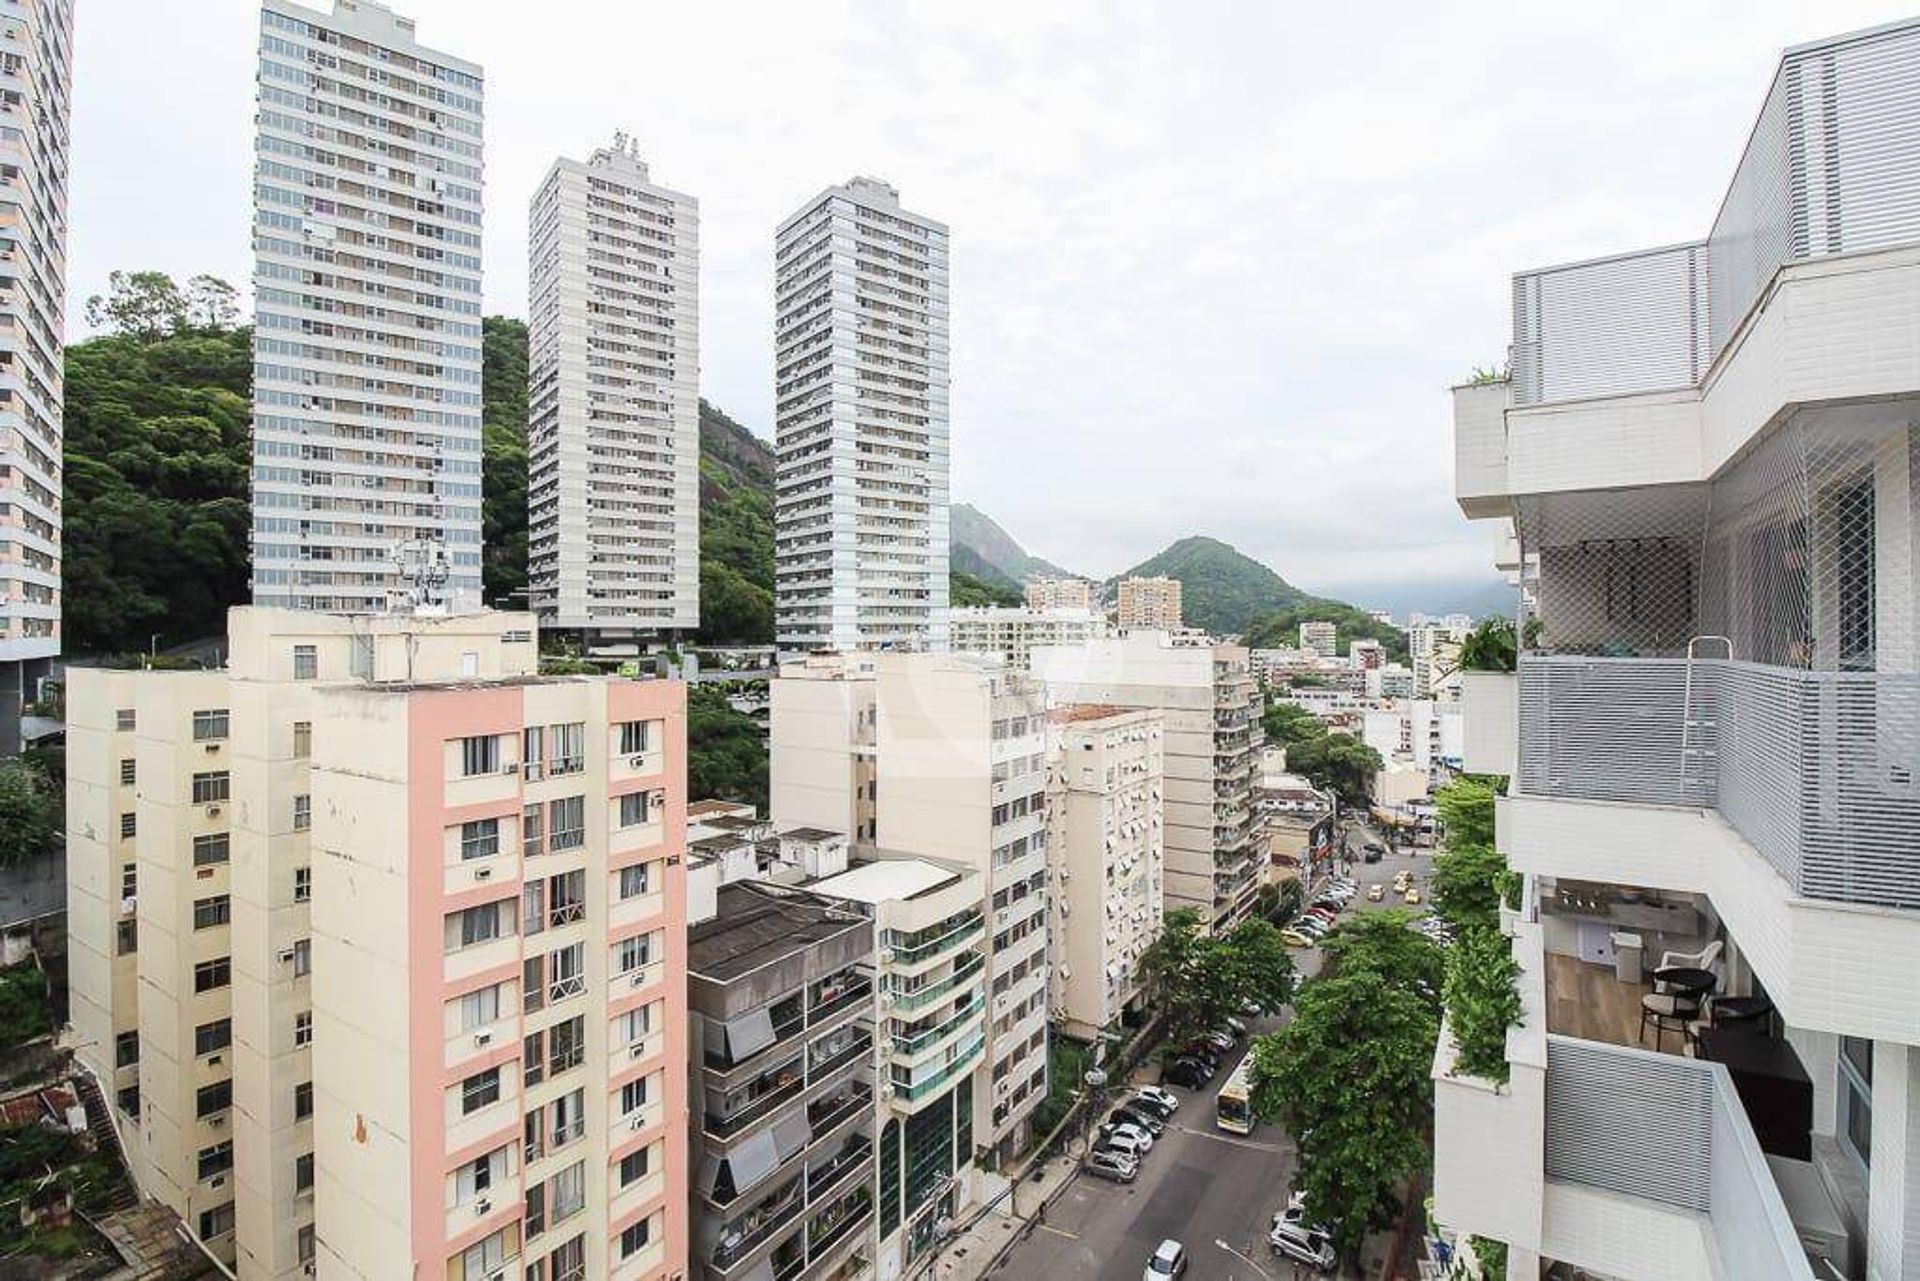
1214	264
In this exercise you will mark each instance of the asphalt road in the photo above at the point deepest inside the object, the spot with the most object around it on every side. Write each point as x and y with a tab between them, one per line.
1199	1185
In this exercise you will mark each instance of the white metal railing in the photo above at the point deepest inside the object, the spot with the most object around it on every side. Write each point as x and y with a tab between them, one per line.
1816	770
1634	322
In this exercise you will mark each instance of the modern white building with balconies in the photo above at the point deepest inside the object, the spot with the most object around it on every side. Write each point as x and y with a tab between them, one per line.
860	337
1710	458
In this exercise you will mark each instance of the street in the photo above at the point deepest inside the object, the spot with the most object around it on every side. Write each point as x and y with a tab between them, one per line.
1199	1185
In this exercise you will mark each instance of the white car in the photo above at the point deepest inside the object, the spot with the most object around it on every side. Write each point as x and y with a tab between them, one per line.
1169	1260
1163	1099
1294	1238
1127	1137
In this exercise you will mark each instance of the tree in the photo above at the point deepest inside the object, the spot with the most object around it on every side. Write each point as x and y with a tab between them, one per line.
726	751
1350	1077
503	460
1259	967
1339	762
1469	884
1483	1000
1383	943
30	812
212	303
1466	808
1198	980
966	590
1489	647
1287	723
142	304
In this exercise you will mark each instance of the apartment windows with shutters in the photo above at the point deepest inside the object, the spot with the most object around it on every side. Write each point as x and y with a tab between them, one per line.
566	1045
212	1099
532	831
211	1038
123	720
217	1159
569	748
302	740
480	754
479	1090
634	1166
636	880
568	817
209	912
479	838
633	737
129	824
127	772
634	809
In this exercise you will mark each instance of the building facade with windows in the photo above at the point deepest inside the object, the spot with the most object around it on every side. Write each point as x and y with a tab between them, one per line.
366	341
1060	593
1712	729
38	73
1209	704
613	432
1014	633
1105	859
861	376
386	804
1148	604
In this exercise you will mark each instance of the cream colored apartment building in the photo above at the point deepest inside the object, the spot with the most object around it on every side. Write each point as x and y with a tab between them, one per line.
1060	593
1209	702
1151	604
943	755
1106	859
377	948
1014	633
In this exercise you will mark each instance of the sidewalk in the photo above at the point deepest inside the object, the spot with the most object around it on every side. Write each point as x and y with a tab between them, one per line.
971	1253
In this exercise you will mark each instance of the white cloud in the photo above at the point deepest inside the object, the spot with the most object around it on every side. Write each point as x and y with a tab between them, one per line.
1214	263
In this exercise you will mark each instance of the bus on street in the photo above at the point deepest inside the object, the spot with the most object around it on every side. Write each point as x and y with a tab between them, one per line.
1235	1112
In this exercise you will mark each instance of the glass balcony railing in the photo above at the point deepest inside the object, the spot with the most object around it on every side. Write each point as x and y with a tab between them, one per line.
964	970
910	1045
953	941
912	1091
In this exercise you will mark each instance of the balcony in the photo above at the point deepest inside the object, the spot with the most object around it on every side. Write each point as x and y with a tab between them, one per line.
824	1115
742	1239
1815	770
907	1047
968	967
1603	1155
758	1099
910	1091
925	953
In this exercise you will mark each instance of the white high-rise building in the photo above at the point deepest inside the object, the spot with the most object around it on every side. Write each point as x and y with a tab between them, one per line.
613	431
366	342
33	294
860	336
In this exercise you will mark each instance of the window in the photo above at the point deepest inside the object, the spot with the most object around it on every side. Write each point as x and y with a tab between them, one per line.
531	828
480	754
128	824
123	719
214	785
478	1177
209	1038
209	726
569	823
210	849
303	1172
569	1191
128	1101
129	880
303	1244
566	897
209	912
633	809
633	737
536	1213
570	1260
634	1238
477	1009
209	1099
302	958
533	907
635	1024
126	1049
127	772
533	755
302	884
566	1044
216	1222
302	740
566	972
478	925
633	1096
209	975
484	1258
533	1062
479	1090
217	1159
569	1116
569	748
633	1166
303	1100
479	838
533	983
306	663
1856	1098
631	954
303	1029
302	813
636	880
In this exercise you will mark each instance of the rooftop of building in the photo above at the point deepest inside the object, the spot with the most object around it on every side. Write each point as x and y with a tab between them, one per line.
887	879
811	834
703	809
757	925
1073	712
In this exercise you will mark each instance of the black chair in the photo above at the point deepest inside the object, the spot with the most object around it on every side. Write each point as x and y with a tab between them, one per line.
1666	1010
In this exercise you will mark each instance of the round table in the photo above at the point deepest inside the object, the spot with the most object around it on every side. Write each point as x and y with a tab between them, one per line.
1734	1009
1686	981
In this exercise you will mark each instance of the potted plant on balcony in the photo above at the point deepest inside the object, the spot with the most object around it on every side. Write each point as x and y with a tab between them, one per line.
1488	660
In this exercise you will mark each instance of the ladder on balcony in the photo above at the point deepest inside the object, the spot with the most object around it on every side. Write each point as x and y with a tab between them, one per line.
1699	734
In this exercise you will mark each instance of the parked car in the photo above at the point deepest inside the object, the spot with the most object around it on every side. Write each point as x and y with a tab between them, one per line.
1188	1074
1140	1116
1157	1097
1413	894
1236	1027
1371	854
1116	1166
1169	1260
1376	893
1206	1067
1373	847
1221	1041
1296	938
1294	1239
1129	1139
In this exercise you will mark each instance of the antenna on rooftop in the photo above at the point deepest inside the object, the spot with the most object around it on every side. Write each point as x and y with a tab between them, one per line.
423	570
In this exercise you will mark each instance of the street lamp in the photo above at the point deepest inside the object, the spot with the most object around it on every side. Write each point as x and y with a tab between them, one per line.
1243	1258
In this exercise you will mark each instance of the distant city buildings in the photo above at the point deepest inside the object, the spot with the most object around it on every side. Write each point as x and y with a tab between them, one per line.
861	513
1013	633
366	340
1320	638
394	805
1060	593
613	396
34	112
1105	857
1149	604
1434	646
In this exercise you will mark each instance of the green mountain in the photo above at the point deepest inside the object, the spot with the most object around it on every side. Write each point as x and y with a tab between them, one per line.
986	551
1221	589
503	461
736	531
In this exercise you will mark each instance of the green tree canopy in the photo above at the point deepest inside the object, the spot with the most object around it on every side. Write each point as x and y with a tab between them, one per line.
31	811
1483	1000
503	461
966	590
1200	979
1337	761
726	751
1466	808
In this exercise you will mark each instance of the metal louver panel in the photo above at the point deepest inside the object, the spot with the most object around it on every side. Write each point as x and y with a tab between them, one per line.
1613	326
1630	1121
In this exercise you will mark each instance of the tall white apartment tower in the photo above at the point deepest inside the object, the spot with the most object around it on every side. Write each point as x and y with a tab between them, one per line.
613	500
36	72
366	346
860	339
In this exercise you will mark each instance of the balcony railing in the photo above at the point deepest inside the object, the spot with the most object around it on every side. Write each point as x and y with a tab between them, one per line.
824	1114
1816	770
1671	1130
852	994
784	1088
965	936
961	1062
756	1229
919	998
912	1044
